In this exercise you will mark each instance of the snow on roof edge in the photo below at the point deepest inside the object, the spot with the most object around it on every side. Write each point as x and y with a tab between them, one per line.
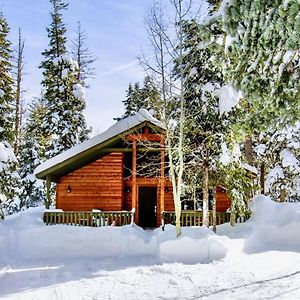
121	126
250	168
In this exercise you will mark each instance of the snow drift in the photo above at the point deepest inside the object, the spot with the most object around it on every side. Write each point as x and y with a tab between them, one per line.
275	226
272	226
24	236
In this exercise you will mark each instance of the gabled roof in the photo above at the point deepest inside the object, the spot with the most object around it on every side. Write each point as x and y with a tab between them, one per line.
88	151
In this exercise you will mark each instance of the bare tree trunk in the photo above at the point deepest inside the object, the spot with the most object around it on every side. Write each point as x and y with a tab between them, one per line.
262	178
173	177
214	209
205	197
232	218
166	52
282	194
18	111
48	193
177	178
249	150
181	121
232	214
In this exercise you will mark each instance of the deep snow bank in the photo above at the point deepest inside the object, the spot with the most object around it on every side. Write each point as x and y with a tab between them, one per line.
196	244
24	236
275	226
272	226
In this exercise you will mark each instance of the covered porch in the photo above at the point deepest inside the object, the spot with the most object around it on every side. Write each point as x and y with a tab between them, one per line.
121	218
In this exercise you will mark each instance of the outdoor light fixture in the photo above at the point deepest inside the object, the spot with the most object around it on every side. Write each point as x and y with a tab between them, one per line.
166	189
69	190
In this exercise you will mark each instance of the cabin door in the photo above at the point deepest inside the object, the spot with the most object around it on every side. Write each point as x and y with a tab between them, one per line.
147	206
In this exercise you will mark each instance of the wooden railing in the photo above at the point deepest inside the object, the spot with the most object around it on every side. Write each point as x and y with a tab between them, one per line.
88	218
195	218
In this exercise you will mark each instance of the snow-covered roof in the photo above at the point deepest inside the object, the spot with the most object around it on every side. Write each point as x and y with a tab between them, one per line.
250	168
117	129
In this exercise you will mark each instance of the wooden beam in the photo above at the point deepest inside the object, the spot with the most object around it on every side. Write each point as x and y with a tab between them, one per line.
152	137
145	149
48	186
115	150
134	187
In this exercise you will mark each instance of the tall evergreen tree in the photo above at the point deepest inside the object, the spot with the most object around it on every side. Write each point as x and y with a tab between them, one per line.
32	151
9	179
138	97
210	118
64	123
258	51
6	85
151	95
134	100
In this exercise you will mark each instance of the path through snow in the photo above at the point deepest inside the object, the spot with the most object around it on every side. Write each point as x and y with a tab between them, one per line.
259	259
268	275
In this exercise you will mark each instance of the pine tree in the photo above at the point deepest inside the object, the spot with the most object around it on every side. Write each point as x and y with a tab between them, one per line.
6	85
133	100
210	124
64	123
258	50
138	97
259	53
279	150
9	178
32	153
151	95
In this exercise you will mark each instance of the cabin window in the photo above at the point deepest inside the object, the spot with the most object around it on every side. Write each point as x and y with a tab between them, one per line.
127	164
148	161
147	129
148	164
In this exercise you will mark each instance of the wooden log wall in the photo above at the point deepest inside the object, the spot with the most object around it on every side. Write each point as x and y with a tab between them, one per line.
169	201
98	185
222	199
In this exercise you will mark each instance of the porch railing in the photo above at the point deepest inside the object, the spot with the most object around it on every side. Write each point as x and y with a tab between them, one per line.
195	218
88	218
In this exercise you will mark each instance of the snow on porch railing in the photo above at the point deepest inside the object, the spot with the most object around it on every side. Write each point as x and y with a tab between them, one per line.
88	218
195	218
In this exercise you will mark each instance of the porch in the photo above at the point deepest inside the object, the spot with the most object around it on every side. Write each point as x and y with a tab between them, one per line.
195	218
89	218
120	218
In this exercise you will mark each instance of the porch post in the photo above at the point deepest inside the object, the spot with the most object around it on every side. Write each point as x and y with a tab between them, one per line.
134	188
48	185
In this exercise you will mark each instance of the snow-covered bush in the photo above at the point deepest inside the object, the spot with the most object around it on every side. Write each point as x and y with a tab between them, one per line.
280	150
9	180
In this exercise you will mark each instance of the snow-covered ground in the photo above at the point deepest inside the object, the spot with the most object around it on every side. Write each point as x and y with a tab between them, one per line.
259	259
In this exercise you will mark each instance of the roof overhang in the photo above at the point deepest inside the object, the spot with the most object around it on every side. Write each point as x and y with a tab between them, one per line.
88	151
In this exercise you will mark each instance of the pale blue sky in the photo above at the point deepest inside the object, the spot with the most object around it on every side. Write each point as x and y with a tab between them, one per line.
116	35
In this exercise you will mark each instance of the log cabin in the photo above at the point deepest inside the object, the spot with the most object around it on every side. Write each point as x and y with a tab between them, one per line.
119	171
